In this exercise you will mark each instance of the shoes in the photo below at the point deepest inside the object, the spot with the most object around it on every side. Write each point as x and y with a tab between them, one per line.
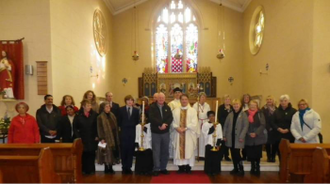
227	159
181	170
155	173
187	169
234	171
164	172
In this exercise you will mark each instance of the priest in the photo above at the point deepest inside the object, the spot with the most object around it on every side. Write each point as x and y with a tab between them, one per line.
185	125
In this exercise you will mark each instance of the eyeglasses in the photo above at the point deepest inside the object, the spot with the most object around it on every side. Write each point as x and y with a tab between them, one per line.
302	104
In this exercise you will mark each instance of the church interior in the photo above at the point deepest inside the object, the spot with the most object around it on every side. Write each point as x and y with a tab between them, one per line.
140	47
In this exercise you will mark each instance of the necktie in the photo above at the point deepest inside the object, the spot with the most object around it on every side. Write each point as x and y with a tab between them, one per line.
129	112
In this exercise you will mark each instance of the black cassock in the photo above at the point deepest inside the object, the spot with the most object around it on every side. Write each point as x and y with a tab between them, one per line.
212	163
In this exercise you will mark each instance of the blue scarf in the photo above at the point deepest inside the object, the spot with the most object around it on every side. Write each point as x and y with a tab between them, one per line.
301	117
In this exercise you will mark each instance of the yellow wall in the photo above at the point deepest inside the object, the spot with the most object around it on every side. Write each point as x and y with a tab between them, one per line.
29	19
147	12
287	48
321	65
73	49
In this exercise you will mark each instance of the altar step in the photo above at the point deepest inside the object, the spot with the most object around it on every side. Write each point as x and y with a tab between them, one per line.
199	166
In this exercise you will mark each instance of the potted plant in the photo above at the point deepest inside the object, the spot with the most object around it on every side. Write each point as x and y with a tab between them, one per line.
4	125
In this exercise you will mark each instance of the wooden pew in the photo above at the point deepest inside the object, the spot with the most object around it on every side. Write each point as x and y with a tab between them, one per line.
296	160
320	172
1	180
67	157
29	169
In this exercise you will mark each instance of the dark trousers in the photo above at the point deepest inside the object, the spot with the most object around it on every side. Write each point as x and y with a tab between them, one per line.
271	150
212	164
224	150
127	152
235	156
46	140
160	149
244	154
88	162
144	161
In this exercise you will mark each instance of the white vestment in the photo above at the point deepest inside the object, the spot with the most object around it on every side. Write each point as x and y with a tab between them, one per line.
209	137
190	143
147	136
202	118
173	105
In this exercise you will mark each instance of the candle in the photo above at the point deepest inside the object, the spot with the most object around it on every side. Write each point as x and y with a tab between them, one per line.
216	111
142	111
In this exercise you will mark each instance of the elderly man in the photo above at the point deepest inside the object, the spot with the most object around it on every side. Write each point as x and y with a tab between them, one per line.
160	117
185	124
114	106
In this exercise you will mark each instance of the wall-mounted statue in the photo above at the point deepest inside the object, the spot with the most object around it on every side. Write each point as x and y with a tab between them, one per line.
7	73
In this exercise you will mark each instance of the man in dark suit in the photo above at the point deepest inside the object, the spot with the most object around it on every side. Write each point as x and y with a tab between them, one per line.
128	118
160	118
114	106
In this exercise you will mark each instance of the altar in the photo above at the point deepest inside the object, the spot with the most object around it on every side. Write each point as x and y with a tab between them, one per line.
191	84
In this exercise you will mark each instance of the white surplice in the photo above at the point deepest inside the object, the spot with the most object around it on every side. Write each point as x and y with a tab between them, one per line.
202	118
147	136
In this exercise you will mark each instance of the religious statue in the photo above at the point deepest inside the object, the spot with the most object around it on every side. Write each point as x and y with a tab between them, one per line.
6	75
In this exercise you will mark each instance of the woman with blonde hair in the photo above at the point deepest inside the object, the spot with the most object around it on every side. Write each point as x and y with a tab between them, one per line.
268	110
306	124
234	134
91	97
256	137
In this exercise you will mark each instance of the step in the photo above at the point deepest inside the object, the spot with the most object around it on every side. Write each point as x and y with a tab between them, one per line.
199	166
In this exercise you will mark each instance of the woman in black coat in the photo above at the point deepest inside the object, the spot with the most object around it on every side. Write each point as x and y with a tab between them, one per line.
281	121
85	126
268	111
223	112
66	125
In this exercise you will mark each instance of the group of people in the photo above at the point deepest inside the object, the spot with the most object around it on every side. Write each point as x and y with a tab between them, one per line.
177	130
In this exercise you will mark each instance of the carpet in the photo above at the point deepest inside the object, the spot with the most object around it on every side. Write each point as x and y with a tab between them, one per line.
173	177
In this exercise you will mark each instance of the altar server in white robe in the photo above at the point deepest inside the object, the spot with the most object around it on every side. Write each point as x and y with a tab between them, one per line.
202	108
185	124
212	134
173	105
144	159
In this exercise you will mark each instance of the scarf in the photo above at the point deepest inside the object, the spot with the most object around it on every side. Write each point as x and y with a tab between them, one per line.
271	109
251	115
301	117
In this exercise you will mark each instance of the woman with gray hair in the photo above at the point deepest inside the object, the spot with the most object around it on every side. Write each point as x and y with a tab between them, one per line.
306	124
107	130
281	121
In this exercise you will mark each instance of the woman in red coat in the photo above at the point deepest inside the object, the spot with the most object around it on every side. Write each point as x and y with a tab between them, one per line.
23	127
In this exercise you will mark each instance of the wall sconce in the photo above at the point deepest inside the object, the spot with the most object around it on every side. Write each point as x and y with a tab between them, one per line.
28	69
93	75
221	54
231	80
266	72
135	56
124	81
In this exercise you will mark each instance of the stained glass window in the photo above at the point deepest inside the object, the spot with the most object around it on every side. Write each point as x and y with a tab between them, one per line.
176	39
162	49
191	48
259	29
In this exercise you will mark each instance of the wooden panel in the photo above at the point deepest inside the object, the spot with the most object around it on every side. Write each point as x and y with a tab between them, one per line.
42	79
66	156
29	169
296	160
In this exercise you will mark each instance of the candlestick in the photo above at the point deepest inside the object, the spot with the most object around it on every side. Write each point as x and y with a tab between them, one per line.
142	111
216	111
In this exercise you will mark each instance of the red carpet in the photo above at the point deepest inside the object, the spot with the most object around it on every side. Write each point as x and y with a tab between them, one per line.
173	177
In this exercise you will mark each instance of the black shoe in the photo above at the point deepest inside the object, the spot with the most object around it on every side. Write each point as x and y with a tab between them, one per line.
164	172
227	159
181	170
129	171
234	171
155	173
188	169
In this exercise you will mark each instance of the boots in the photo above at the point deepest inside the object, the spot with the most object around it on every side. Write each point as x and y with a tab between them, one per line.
108	169
253	167
257	167
240	169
